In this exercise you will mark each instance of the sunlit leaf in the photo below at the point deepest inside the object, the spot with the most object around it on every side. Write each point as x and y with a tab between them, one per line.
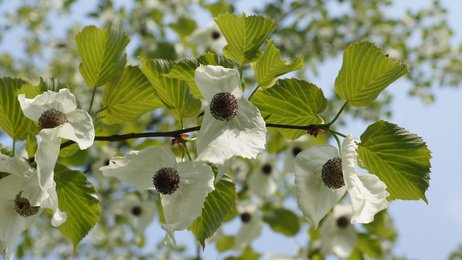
128	97
77	197
174	93
217	206
103	54
184	69
399	158
365	73
12	119
270	66
245	35
291	102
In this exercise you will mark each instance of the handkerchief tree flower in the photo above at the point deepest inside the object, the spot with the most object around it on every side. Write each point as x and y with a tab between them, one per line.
182	186
322	177
58	117
338	236
21	202
232	126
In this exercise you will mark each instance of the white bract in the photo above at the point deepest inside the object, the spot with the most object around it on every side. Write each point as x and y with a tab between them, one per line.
262	181
367	192
209	37
232	126
21	202
140	212
183	186
58	117
251	228
337	234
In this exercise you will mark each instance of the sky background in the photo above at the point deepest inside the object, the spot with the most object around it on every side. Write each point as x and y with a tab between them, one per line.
425	231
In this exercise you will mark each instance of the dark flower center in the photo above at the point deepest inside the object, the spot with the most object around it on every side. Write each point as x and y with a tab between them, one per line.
246	217
216	35
51	119
137	211
343	222
223	106
3	175
296	150
23	208
332	174
267	169
166	180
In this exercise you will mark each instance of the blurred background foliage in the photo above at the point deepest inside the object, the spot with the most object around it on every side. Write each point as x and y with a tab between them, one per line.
37	44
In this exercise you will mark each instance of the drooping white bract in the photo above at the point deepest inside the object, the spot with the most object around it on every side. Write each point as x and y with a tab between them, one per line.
262	181
58	118
182	204
208	38
140	212
367	192
251	228
20	201
338	235
232	126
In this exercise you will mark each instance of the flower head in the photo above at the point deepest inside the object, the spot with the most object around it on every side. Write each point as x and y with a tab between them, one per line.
338	236
21	202
58	117
322	176
182	186
232	126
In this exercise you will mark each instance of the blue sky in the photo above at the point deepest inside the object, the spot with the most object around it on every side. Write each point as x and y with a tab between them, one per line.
425	231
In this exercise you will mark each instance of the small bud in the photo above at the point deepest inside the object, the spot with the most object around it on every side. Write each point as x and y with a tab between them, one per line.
246	217
267	169
343	222
216	35
296	150
137	211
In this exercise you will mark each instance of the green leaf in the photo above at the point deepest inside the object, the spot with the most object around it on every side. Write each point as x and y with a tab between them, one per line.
399	158
128	97
365	73
185	69
218	7
270	66
77	197
51	84
103	54
244	35
184	26
291	102
369	246
12	119
382	226
283	221
217	206
172	92
247	254
225	243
